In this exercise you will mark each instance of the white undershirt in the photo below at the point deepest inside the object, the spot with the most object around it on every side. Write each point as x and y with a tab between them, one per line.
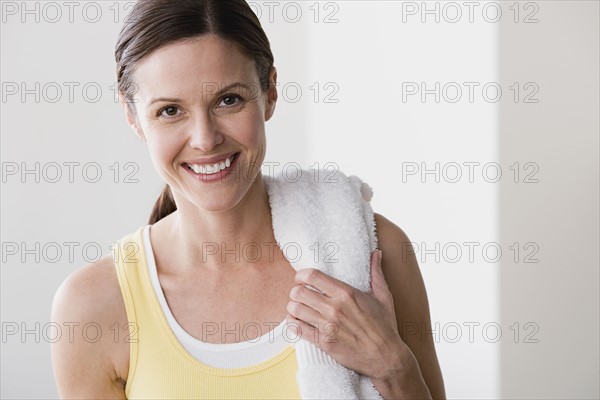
228	355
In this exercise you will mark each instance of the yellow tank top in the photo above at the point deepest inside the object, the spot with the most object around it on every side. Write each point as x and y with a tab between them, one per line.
161	368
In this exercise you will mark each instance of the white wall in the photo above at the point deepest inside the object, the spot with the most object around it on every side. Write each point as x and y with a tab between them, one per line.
367	59
373	133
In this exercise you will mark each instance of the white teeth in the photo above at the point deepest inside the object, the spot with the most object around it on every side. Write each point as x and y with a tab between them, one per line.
211	169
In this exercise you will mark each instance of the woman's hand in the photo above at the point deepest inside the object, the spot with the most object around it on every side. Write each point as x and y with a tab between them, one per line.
359	330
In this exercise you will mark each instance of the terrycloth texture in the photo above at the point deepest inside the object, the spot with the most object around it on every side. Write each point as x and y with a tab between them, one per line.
331	212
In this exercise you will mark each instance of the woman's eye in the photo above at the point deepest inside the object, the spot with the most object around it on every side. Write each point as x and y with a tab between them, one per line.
169	112
231	100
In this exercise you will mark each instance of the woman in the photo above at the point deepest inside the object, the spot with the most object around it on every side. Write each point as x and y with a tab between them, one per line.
197	84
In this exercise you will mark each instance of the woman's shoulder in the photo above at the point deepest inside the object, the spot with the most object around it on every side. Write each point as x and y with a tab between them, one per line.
89	308
91	291
86	306
90	300
390	235
401	271
405	282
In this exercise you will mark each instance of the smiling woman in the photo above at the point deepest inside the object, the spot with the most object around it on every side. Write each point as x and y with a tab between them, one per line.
226	124
197	84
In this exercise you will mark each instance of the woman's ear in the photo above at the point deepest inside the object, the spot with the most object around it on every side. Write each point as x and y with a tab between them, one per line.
130	115
271	94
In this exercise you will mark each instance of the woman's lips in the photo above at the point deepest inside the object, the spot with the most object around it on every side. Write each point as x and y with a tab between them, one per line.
211	160
204	172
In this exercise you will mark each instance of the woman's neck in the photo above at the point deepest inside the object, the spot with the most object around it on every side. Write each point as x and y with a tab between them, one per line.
224	240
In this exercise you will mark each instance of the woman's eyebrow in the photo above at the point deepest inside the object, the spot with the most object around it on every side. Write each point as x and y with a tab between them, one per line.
167	99
212	88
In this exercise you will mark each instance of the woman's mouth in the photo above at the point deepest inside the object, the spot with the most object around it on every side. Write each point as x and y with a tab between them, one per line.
212	170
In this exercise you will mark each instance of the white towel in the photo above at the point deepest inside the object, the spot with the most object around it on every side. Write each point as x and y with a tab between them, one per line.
331	210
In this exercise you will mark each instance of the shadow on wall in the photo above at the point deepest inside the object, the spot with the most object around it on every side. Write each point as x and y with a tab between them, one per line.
549	211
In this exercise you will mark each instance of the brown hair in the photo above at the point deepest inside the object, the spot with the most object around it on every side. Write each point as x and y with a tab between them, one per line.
156	23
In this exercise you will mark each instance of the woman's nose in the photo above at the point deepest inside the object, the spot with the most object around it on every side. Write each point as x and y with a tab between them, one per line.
204	133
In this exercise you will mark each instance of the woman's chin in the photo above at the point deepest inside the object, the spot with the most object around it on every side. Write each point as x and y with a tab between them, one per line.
215	203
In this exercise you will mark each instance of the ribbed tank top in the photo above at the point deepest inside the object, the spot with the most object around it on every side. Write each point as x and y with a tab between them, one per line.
167	364
229	355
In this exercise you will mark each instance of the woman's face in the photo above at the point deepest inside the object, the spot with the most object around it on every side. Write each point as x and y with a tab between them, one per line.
199	107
